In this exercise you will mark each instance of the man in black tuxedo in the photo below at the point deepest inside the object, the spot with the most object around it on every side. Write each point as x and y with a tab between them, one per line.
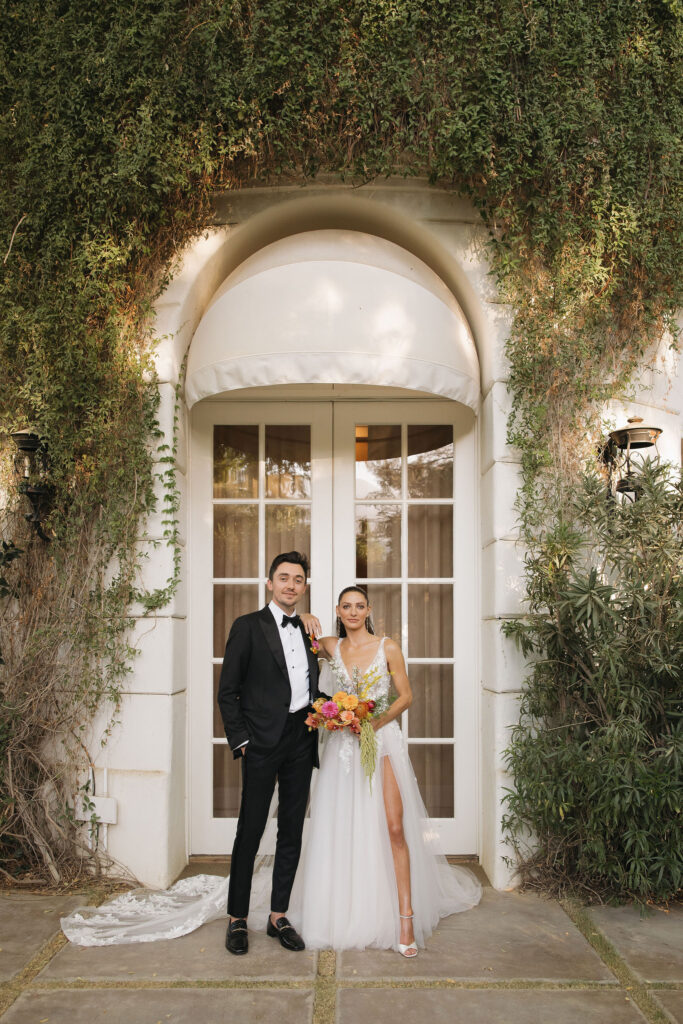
268	681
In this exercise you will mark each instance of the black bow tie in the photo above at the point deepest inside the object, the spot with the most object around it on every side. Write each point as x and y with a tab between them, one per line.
291	620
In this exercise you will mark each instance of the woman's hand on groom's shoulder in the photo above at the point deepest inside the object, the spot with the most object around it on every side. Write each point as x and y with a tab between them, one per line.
311	624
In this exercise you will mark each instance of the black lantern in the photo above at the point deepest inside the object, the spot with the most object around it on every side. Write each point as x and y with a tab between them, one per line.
617	454
30	465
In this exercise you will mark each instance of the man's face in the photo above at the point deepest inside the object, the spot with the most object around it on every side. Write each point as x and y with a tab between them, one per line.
287	586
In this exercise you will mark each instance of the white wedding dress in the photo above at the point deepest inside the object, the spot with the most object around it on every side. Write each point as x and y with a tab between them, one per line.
344	894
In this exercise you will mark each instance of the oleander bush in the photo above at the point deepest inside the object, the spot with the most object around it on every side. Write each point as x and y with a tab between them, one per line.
121	121
598	752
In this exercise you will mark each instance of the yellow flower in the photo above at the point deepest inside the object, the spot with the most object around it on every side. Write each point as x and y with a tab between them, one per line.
317	704
340	699
350	701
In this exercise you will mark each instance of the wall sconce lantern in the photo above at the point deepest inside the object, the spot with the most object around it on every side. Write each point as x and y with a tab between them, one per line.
617	454
30	466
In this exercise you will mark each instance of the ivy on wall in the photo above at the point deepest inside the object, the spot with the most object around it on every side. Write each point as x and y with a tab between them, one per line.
120	121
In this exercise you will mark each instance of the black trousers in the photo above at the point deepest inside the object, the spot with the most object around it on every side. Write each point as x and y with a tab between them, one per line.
291	763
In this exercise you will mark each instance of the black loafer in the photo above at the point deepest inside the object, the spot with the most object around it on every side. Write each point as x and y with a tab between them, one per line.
237	937
282	930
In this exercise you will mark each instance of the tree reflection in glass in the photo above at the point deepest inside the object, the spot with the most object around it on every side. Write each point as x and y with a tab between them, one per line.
288	461
378	461
378	540
288	528
235	461
430	461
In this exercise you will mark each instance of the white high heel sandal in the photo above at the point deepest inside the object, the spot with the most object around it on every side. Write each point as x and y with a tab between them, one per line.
404	947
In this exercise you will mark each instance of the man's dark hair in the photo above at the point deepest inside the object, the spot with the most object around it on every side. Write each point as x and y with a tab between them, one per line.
295	557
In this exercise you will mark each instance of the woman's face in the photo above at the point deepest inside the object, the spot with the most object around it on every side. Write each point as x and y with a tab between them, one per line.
353	609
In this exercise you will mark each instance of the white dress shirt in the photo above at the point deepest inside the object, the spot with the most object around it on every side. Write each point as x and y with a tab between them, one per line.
296	659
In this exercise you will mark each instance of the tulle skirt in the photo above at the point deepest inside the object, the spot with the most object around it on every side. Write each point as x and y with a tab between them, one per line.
345	894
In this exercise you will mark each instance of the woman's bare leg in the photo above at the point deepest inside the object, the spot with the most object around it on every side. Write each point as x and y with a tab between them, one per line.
393	806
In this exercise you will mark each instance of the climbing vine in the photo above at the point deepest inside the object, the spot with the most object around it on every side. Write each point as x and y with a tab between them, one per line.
120	123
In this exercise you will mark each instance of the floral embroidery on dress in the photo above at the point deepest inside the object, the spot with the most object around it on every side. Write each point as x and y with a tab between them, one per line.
345	746
376	672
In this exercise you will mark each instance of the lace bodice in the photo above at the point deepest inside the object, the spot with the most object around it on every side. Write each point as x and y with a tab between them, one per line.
335	676
373	684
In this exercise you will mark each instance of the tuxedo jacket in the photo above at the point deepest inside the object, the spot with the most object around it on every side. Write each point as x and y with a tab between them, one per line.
254	693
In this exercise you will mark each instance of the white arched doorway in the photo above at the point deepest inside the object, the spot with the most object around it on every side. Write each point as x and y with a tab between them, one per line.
334	383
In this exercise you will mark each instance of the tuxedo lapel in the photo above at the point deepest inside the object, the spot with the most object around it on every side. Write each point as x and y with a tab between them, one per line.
312	662
270	631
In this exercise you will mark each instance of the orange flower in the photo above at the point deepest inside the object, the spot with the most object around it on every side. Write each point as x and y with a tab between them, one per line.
362	709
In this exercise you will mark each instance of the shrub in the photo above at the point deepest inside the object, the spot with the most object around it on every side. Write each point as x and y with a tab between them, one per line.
596	756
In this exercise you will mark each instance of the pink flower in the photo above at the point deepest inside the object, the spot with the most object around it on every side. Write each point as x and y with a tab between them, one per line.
329	709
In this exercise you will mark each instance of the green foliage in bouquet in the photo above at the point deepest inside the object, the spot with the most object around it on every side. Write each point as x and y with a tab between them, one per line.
596	759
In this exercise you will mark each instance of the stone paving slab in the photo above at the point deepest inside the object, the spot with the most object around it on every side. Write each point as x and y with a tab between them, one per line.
162	1006
672	1002
200	956
508	936
652	946
26	924
443	1006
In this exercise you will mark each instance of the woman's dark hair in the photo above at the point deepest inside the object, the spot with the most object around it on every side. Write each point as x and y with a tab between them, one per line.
295	557
369	625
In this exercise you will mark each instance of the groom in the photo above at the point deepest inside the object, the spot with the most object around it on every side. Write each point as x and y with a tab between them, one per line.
268	681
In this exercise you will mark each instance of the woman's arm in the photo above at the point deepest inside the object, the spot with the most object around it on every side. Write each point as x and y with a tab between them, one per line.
397	666
328	645
312	626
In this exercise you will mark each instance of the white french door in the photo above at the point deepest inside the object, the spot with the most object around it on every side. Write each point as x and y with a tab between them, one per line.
376	492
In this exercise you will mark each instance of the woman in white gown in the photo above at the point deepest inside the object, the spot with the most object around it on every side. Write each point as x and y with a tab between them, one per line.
370	873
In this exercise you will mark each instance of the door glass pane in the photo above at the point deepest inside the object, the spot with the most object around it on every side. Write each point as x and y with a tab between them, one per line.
226	782
288	528
235	462
229	601
378	540
430	620
431	713
385	600
288	462
433	765
378	461
430	540
235	540
430	461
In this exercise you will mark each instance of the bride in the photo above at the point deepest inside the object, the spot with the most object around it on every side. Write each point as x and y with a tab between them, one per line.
370	874
372	845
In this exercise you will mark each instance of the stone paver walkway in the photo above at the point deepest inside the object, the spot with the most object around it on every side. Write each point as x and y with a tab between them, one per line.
515	958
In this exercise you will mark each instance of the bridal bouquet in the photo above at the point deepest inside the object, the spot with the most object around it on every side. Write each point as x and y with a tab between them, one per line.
352	711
